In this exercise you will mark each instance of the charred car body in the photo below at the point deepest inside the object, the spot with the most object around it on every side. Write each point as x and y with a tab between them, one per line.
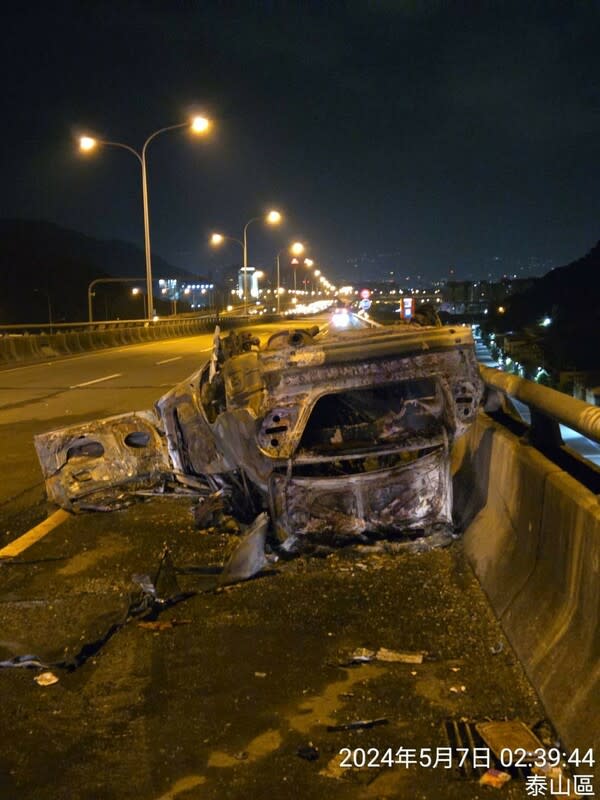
339	434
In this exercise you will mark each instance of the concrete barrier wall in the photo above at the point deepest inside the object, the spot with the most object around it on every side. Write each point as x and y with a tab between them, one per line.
39	347
532	535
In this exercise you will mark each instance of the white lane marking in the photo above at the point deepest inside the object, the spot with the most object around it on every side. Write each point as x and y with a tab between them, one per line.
97	380
167	360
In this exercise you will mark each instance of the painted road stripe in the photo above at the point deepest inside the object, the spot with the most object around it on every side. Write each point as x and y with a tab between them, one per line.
167	360
35	534
97	380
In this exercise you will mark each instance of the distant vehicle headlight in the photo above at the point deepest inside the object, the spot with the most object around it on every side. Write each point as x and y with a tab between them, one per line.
341	318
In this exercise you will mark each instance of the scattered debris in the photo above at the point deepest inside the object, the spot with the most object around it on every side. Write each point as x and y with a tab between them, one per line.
46	679
458	689
308	751
508	735
543	730
163	625
358	724
495	778
249	558
383	654
363	655
208	509
28	662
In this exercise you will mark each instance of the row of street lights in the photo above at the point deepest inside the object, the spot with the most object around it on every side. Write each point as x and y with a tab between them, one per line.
199	125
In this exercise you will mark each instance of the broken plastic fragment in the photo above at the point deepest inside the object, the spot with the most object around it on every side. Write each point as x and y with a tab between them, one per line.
495	778
362	655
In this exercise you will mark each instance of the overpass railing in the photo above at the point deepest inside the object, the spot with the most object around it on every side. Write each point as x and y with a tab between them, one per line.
548	410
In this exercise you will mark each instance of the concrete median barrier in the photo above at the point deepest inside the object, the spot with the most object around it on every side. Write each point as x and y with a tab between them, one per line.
532	535
26	347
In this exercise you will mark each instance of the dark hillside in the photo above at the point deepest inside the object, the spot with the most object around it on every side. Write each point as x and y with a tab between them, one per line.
570	297
40	260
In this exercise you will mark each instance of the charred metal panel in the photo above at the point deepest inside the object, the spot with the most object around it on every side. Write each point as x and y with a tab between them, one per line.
187	413
244	383
415	495
98	464
293	391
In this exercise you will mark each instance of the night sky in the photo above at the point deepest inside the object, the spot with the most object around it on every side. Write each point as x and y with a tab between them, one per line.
448	134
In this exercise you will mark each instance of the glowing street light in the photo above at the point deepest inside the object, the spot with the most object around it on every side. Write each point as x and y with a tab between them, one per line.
135	291
200	125
271	218
308	262
294	249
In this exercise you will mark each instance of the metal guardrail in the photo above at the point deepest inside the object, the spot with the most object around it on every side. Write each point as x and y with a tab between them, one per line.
549	410
565	410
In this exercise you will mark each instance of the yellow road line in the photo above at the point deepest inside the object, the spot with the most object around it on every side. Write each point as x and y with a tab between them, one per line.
35	534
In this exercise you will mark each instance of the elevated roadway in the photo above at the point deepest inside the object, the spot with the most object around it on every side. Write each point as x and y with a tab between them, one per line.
237	694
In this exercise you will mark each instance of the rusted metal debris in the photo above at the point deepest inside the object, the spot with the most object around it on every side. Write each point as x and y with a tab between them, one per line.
342	436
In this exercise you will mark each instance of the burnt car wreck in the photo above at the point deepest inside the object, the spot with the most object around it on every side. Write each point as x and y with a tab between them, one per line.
340	435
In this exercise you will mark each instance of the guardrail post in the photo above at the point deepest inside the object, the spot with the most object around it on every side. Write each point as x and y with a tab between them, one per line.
544	432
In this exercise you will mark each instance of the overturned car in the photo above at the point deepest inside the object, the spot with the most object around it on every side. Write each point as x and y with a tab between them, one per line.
339	434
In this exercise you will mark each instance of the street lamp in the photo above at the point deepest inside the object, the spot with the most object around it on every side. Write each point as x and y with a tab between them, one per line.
104	280
135	291
308	262
216	239
294	249
272	218
199	125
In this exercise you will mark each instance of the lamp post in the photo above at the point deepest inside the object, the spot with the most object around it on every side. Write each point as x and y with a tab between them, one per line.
308	262
294	249
135	291
217	239
90	294
272	218
199	125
